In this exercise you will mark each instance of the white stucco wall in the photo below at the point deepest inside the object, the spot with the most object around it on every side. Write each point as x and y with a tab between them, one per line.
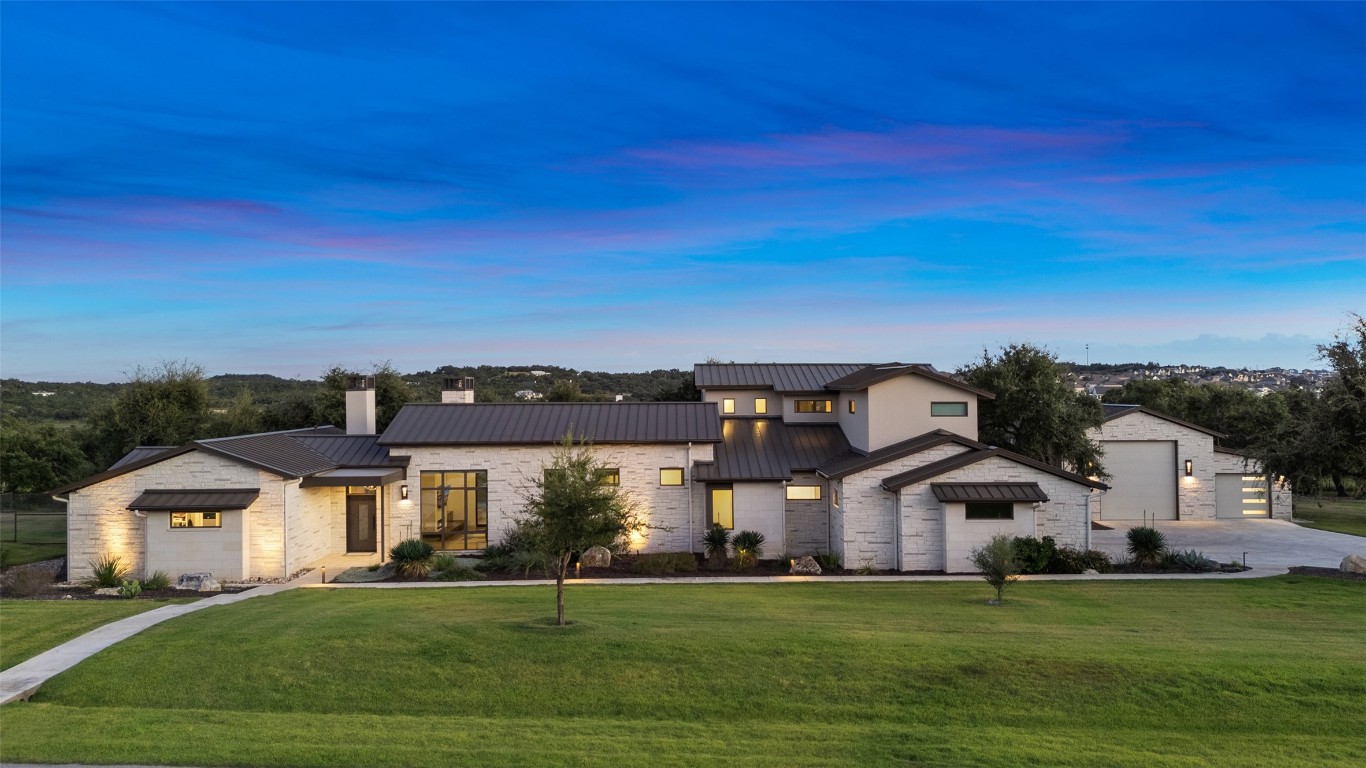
759	507
744	401
219	551
899	409
790	415
1195	494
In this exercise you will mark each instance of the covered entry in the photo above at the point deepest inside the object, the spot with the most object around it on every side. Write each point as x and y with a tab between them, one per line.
1237	496
1144	482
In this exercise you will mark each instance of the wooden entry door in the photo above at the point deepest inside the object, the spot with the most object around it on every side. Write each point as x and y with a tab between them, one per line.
360	524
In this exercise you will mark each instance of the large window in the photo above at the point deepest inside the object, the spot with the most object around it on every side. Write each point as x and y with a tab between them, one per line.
761	405
811	406
196	520
721	506
671	476
948	409
989	510
803	493
455	509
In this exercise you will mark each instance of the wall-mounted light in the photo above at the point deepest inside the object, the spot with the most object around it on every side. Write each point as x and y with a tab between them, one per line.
1190	468
403	492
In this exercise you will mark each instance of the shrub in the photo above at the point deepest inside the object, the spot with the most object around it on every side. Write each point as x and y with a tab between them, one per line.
21	581
130	589
527	561
867	568
1146	545
158	580
996	560
660	563
1034	555
107	572
456	572
412	558
1190	560
829	561
714	543
1071	560
749	547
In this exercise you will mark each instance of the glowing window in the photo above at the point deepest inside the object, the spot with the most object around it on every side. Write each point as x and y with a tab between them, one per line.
811	406
721	507
671	476
804	492
761	405
728	405
610	475
196	520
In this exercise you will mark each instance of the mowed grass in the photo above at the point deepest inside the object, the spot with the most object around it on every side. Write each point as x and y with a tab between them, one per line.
39	537
1332	514
1260	672
29	627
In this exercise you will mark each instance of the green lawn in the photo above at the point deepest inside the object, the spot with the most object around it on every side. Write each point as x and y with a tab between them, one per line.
39	537
1259	672
29	627
1332	514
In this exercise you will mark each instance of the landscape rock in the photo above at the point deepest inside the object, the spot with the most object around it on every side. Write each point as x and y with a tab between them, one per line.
596	557
199	582
806	566
1090	572
107	592
1353	564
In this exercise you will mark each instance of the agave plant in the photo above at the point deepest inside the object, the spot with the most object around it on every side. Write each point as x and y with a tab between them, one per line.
412	558
749	547
1146	545
108	572
1192	560
714	542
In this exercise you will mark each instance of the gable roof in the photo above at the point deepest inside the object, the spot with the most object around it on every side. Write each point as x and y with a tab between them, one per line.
141	452
857	461
934	469
769	449
781	377
547	423
1112	411
876	374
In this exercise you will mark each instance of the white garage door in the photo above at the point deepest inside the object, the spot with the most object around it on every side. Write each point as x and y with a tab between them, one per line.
1237	496
1144	482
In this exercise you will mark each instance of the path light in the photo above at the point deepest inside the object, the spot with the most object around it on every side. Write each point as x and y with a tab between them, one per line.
324	570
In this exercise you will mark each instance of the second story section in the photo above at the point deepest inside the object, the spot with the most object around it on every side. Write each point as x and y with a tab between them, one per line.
876	405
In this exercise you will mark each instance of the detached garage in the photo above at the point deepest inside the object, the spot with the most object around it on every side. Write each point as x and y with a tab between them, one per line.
1237	495
1146	489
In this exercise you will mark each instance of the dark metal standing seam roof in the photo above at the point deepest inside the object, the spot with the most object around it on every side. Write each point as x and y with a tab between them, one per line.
857	461
988	492
141	452
934	469
189	499
272	451
768	449
349	450
876	374
545	423
782	377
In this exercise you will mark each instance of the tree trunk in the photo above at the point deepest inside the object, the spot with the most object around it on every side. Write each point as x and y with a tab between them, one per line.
560	573
1338	486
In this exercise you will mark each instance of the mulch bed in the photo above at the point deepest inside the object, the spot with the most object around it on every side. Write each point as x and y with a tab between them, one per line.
1327	573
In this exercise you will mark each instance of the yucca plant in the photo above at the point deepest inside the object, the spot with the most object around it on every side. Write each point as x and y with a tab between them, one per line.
412	558
748	546
1146	545
107	572
158	580
714	543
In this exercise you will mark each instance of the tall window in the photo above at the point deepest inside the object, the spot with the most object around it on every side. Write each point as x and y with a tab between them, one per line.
721	506
196	520
761	405
989	510
948	409
811	406
455	509
728	405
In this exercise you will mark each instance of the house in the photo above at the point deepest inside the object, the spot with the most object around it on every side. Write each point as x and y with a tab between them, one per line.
876	463
1164	468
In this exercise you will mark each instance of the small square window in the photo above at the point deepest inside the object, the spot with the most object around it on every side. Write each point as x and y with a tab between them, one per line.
728	405
948	409
761	405
610	475
671	476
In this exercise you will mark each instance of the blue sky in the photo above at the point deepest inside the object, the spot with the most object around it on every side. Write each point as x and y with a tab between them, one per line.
277	188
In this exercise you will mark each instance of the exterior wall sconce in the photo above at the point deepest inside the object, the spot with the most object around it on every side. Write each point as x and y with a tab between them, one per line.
403	492
1190	468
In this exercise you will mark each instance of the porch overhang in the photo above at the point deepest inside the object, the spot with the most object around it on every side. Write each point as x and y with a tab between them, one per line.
354	476
194	499
963	492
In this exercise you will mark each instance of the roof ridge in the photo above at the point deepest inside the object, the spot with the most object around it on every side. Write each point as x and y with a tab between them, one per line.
263	434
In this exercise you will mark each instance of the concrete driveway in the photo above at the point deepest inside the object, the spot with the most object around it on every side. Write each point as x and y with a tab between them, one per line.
1268	543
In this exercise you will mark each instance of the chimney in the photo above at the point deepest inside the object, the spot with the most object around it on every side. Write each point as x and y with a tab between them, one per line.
457	390
360	405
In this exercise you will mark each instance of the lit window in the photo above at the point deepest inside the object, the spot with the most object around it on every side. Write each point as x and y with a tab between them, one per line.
852	407
811	406
803	493
728	405
721	507
671	476
761	405
610	475
196	520
455	509
948	409
989	510
835	495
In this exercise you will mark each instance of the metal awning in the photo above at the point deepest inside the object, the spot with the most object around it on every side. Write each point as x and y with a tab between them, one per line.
960	492
354	476
194	499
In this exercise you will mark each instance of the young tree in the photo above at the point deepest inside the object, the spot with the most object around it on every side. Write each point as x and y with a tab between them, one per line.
572	506
1035	412
998	563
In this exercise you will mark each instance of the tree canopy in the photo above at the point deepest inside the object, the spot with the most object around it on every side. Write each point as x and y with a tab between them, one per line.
1035	412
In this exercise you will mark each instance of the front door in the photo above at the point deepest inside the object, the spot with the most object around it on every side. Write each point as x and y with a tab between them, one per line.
360	523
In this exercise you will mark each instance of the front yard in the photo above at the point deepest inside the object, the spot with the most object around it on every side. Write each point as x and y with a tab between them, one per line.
1260	672
1332	514
29	627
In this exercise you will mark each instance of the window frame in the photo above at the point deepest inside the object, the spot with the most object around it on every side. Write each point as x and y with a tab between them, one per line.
443	490
711	506
937	403
819	493
984	513
610	476
728	405
682	477
817	406
761	406
217	515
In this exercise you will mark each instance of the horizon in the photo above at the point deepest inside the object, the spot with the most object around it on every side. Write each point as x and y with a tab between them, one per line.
282	188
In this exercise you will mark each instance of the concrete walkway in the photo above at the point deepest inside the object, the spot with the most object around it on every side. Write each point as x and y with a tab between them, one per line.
20	681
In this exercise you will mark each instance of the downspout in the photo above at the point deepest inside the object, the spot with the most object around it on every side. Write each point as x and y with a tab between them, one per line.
783	500
284	527
383	508
692	543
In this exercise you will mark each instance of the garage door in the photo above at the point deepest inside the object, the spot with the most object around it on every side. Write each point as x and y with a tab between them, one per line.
1144	482
1237	496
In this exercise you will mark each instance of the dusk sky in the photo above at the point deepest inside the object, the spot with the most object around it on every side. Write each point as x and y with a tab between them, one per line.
277	188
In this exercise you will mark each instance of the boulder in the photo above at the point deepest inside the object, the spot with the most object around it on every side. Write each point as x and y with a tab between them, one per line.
199	582
1090	572
596	557
805	566
107	592
1353	564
